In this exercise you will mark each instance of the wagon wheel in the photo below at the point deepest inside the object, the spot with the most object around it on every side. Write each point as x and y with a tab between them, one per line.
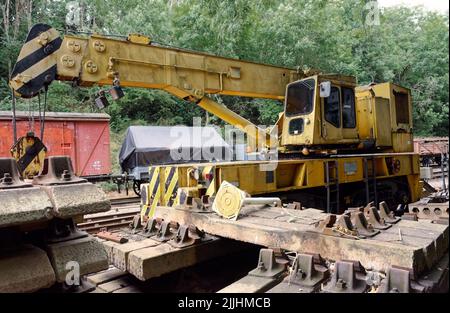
137	187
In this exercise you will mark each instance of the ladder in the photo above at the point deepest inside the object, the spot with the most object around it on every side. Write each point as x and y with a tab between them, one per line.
370	180
332	185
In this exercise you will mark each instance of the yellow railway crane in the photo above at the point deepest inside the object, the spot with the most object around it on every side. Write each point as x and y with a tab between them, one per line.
338	145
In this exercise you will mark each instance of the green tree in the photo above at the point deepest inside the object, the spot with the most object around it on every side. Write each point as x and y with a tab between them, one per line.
408	47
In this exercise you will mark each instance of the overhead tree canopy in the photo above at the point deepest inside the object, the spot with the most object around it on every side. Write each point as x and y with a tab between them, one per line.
408	46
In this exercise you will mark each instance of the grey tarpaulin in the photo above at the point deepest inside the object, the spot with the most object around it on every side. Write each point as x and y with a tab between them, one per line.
152	145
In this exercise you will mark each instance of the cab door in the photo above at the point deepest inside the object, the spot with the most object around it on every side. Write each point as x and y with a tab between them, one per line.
349	130
331	116
339	116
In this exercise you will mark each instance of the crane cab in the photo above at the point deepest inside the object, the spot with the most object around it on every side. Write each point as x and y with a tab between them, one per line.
329	111
320	111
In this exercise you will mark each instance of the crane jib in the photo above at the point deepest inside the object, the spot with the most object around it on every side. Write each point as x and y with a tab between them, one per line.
36	65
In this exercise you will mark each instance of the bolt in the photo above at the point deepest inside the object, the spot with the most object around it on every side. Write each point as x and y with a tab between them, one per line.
48	212
73	46
66	175
261	266
341	284
7	179
48	78
99	46
301	273
91	67
67	61
43	39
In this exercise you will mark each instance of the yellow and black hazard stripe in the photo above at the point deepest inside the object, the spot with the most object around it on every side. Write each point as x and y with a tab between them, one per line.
170	185
36	64
161	190
153	193
29	152
208	174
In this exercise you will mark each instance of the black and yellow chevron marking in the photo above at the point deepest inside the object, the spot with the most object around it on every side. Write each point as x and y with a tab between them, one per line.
161	190
209	171
29	152
153	193
36	64
163	187
171	186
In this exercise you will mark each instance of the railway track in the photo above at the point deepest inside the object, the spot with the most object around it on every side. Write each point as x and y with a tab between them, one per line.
135	264
125	200
438	173
121	215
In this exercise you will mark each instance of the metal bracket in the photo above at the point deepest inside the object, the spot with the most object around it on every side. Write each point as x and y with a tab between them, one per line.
150	228
57	170
186	236
197	205
345	280
9	175
294	206
308	271
63	230
267	265
375	219
164	233
326	225
386	214
362	226
398	280
344	227
334	226
135	225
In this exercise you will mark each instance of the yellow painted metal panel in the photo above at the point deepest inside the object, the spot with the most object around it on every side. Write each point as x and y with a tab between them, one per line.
402	142
382	122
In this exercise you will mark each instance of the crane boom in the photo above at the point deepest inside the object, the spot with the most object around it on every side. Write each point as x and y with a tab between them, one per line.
136	62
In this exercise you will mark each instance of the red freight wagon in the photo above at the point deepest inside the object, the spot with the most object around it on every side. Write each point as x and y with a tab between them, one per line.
82	136
431	149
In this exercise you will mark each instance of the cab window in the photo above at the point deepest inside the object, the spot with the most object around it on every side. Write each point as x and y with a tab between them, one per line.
300	97
333	108
348	108
401	107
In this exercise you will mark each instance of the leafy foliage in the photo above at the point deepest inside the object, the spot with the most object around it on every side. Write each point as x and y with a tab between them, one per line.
408	47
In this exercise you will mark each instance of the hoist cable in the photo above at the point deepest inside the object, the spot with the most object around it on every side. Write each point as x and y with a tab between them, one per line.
32	115
39	109
13	98
43	114
29	114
